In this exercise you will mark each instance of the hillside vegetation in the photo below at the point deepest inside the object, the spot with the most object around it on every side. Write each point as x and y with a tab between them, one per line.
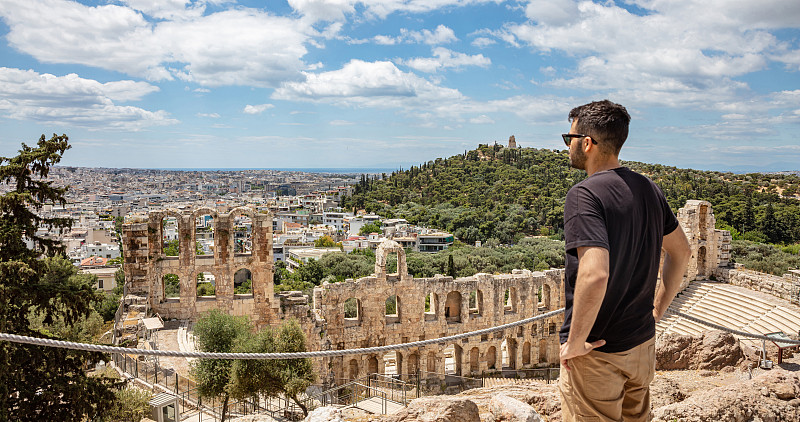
500	195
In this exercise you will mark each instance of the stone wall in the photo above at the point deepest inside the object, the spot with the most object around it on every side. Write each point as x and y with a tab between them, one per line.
710	247
146	264
781	287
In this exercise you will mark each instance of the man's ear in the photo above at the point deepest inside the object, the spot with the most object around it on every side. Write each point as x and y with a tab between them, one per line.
588	144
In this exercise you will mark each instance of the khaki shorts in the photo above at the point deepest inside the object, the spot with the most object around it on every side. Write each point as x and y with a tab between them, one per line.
608	386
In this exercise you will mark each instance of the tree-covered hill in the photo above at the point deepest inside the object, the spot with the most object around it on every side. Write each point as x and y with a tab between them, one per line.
499	195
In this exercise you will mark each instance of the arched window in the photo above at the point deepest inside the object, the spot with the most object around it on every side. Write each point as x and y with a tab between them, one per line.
171	286
392	310
352	309
510	300
476	302
452	307
242	234
431	364
509	353
474	356
171	246
204	235
452	359
206	285
352	372
546	296
372	365
526	353
431	305
243	282
543	351
491	358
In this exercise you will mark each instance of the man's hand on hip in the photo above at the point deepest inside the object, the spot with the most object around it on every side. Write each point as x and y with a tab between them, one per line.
570	350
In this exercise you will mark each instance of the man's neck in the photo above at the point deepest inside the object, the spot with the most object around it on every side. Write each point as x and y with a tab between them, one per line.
602	165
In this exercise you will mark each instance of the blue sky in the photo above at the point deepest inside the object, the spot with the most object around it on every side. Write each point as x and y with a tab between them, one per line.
711	84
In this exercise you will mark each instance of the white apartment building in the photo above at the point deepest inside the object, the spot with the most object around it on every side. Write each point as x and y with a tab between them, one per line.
103	250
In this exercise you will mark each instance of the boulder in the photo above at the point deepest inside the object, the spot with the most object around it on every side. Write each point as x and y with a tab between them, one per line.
438	409
325	414
714	350
771	397
505	408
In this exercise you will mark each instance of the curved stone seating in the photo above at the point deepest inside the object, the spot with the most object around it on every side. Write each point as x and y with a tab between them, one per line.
729	307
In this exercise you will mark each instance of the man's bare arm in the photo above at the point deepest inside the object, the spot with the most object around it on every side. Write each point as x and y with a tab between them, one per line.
675	261
590	289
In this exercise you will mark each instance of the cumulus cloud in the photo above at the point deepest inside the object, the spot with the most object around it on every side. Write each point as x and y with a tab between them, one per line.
482	119
444	58
374	84
232	47
332	10
70	99
257	109
676	51
209	115
441	35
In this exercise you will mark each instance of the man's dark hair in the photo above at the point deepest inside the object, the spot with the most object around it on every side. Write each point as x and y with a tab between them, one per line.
605	122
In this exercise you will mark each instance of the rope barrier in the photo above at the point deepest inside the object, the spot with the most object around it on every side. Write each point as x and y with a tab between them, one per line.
333	353
261	356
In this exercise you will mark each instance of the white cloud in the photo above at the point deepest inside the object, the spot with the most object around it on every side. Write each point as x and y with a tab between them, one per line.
209	115
482	119
257	109
371	84
482	42
341	123
71	100
332	10
440	35
233	47
167	9
444	58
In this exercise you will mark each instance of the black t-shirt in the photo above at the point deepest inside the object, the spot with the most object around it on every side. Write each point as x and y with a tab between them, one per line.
627	214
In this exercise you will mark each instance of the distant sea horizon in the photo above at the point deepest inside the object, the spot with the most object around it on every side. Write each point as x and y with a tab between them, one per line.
335	170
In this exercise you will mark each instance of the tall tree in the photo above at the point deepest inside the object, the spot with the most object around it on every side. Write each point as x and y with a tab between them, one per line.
217	332
38	383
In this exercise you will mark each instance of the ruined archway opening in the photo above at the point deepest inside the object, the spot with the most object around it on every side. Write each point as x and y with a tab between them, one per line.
510	300
372	365
474	357
352	309
508	353
204	236
171	245
491	358
206	285
392	363
431	364
543	351
352	372
452	307
701	262
431	304
476	302
242	235
526	353
171	286
546	299
452	360
243	282
392	309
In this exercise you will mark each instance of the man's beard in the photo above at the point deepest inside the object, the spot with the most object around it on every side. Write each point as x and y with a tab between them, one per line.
577	159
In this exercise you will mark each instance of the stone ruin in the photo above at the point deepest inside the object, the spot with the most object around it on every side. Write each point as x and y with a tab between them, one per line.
353	314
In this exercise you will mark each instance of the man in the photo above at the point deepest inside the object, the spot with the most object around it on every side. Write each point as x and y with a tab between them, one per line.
616	223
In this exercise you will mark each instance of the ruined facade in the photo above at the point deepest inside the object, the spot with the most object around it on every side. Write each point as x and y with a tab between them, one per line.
382	309
710	246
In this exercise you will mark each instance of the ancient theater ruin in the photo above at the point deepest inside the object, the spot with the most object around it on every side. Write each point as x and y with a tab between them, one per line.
217	254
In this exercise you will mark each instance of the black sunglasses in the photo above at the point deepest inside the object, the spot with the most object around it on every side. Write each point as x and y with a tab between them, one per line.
567	137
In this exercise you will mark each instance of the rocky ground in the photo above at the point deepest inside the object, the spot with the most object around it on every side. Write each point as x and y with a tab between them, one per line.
698	379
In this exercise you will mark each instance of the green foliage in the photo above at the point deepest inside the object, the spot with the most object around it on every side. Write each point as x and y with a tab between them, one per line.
172	285
42	298
764	258
217	332
504	195
391	305
205	289
351	308
274	377
366	229
131	405
326	242
245	288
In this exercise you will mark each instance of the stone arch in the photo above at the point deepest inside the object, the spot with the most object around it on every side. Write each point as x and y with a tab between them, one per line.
510	300
547	296
393	363
543	351
452	306
508	353
171	286
243	282
392	306
413	363
476	302
474	360
205	284
205	226
452	359
701	262
372	365
352	309
526	353
431	305
169	227
431	364
242	222
491	358
381	254
352	369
